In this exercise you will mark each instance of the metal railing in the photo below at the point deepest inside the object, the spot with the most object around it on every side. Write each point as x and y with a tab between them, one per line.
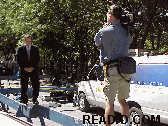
33	111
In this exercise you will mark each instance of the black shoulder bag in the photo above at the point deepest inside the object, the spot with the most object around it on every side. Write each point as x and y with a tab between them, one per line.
125	65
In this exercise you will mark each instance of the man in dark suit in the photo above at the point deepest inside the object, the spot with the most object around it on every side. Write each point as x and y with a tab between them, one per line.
28	60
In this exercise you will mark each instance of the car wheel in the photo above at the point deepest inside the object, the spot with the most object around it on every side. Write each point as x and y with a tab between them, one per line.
70	99
15	94
83	103
135	117
57	99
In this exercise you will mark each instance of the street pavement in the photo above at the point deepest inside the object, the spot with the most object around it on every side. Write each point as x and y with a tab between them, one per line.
65	108
36	121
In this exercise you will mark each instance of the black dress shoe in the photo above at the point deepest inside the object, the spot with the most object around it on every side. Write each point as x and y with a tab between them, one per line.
35	102
23	102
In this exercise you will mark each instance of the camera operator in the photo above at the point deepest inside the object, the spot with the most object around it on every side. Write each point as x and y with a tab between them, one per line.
114	41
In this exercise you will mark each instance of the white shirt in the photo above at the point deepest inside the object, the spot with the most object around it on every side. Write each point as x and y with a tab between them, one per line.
29	49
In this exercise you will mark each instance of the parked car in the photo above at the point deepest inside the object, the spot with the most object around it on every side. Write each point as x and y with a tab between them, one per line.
148	90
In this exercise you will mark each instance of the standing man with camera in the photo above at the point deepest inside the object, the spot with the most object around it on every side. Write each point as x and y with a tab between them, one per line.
28	60
114	41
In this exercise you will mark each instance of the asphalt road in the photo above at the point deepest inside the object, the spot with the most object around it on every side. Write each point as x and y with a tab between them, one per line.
68	108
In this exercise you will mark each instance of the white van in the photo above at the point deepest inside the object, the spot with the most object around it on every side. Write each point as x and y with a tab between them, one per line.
148	90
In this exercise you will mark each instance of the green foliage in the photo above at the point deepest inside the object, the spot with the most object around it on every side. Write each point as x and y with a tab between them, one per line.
64	29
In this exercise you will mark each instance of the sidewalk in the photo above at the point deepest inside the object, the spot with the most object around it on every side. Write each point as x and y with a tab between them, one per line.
36	121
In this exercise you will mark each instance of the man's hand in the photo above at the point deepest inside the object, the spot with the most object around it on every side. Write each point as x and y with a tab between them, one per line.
26	69
105	25
29	69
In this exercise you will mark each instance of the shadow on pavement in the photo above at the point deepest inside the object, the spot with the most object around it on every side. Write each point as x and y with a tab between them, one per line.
64	102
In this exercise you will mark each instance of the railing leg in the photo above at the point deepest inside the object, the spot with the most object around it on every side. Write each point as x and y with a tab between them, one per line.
42	120
18	113
8	97
75	99
29	120
3	107
35	116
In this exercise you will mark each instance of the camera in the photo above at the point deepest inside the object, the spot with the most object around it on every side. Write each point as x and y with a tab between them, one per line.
126	19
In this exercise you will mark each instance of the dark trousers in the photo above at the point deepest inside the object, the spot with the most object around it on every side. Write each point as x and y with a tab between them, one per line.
34	78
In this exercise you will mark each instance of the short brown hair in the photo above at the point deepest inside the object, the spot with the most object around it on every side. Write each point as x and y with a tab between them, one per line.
116	11
27	36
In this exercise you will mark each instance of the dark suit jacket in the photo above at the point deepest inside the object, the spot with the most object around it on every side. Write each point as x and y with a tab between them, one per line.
22	57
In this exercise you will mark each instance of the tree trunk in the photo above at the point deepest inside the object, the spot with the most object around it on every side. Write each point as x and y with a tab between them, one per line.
149	16
152	39
159	37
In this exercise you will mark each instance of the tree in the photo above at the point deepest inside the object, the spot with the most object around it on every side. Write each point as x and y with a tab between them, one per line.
152	17
64	29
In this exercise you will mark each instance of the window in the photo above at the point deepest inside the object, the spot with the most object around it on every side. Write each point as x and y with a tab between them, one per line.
93	73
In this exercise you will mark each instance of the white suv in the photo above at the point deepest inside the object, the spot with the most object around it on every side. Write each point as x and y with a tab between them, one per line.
90	92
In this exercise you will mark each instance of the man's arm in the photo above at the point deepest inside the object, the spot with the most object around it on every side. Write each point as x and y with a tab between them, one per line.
97	38
129	39
36	58
19	58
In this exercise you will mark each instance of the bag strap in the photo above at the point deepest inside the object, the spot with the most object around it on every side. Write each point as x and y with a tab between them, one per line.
122	76
112	61
116	60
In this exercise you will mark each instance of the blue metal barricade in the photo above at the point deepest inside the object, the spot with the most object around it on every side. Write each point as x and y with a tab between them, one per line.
40	111
32	111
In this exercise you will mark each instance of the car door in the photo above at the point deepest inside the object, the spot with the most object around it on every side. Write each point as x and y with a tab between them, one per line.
99	94
150	81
